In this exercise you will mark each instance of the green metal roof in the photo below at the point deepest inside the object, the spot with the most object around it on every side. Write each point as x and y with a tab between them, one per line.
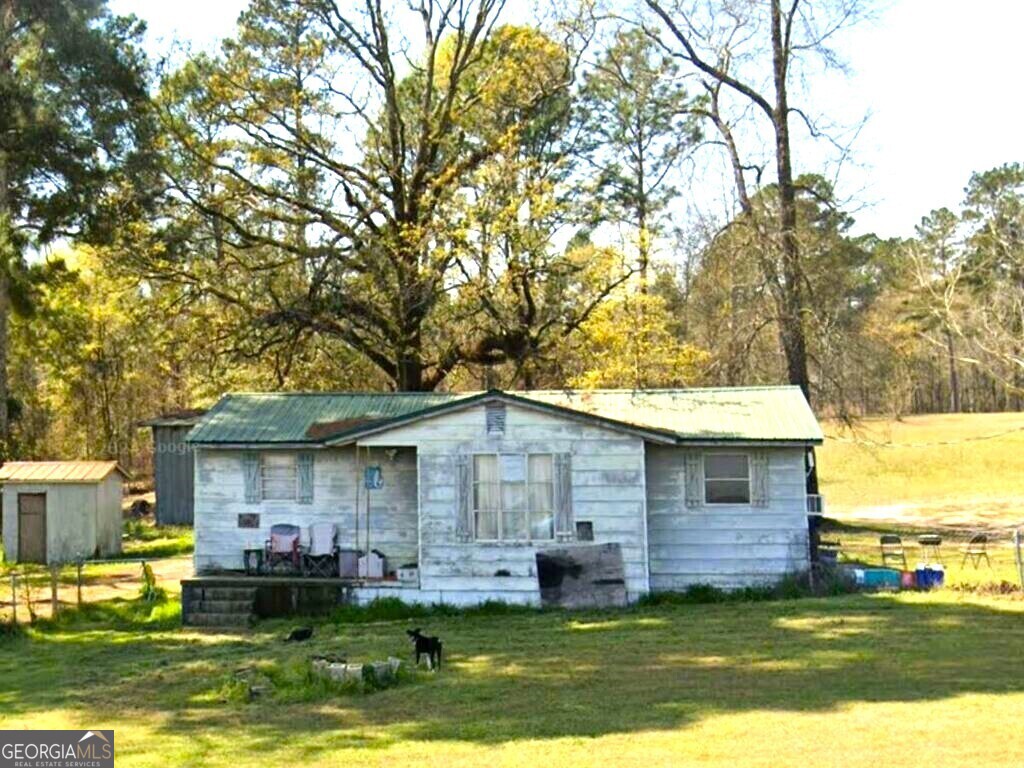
748	414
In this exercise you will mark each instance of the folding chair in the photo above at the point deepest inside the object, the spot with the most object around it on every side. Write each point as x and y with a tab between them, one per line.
975	550
282	551
892	549
321	559
931	547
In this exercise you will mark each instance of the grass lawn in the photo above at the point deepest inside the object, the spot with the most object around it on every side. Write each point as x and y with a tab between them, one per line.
145	539
893	680
943	469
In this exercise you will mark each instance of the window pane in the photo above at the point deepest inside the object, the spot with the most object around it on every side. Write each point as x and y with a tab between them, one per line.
732	466
487	524
541	497
277	475
727	492
485	468
542	525
486	496
513	468
513	507
540	468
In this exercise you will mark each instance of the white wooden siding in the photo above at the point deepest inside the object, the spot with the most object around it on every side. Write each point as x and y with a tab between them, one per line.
607	489
83	520
724	545
337	483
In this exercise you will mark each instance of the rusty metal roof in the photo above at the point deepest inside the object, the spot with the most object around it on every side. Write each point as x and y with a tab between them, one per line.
750	414
185	417
59	471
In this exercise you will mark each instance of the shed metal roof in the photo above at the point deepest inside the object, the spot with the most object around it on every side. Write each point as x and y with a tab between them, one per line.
742	414
59	471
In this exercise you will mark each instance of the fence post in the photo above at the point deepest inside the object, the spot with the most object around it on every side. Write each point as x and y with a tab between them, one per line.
14	598
1017	555
54	602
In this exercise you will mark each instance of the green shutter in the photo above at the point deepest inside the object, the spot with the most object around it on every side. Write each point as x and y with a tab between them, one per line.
251	472
565	525
304	467
463	498
694	479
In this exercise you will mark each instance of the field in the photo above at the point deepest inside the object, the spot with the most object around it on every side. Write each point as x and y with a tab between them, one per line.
852	681
856	680
963	470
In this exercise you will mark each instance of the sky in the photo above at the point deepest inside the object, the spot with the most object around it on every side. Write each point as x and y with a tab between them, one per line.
935	78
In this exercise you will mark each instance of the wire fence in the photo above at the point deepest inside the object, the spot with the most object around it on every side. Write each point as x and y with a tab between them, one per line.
32	592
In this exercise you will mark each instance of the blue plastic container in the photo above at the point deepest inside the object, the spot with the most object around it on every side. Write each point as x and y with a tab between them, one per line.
930	576
881	578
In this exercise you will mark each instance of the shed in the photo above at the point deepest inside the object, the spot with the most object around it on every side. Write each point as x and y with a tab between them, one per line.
61	511
173	465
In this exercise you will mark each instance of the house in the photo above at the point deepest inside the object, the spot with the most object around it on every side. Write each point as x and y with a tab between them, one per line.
686	486
61	511
173	466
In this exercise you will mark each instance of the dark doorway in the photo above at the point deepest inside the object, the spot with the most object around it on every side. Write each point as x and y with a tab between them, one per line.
32	527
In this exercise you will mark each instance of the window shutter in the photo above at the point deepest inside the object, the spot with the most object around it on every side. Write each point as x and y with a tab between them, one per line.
463	499
251	471
565	526
304	467
759	479
694	479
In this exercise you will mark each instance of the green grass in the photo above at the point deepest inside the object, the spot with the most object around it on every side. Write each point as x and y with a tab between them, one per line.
948	466
145	539
860	680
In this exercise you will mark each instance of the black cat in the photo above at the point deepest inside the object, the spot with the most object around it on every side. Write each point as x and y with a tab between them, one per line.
426	646
299	635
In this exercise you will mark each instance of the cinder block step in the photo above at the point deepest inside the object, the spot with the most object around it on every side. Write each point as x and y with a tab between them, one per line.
228	593
222	606
219	619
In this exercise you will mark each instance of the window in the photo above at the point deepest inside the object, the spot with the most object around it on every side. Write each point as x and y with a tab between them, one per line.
278	476
726	478
513	497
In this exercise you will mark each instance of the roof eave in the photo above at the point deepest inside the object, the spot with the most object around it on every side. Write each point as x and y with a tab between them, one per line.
351	436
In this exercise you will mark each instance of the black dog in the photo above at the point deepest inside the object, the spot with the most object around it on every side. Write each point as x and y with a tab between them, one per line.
426	646
299	635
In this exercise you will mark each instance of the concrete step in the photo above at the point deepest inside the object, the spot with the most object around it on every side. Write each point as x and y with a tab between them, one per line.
219	619
227	593
222	606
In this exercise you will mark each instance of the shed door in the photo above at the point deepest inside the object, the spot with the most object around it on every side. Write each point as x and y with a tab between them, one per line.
32	527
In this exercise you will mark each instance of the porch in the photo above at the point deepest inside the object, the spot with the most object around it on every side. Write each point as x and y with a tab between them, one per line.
228	599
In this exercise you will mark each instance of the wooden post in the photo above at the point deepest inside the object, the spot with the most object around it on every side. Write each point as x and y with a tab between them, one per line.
79	582
1017	555
14	598
54	603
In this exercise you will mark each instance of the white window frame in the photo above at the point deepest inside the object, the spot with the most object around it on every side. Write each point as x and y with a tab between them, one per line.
295	477
749	478
500	511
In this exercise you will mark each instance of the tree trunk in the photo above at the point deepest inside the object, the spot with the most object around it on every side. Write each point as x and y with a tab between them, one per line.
791	320
6	256
954	376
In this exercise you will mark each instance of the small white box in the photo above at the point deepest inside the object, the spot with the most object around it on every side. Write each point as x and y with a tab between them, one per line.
409	574
371	566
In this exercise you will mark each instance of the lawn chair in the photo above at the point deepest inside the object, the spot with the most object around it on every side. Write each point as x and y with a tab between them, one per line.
975	550
282	551
321	559
892	549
